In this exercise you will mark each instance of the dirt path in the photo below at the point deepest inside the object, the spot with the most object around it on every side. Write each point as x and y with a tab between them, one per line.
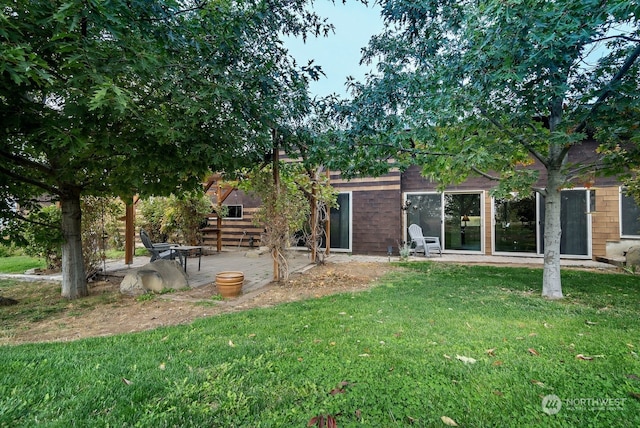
106	312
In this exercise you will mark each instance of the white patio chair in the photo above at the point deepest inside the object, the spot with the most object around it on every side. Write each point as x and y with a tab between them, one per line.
424	243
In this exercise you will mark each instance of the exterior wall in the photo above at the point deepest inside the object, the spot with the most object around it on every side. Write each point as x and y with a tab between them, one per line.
378	221
605	221
488	224
235	232
605	226
375	209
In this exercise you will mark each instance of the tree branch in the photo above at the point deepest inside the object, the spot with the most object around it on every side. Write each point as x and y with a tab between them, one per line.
526	145
619	36
27	180
484	174
20	217
26	162
608	90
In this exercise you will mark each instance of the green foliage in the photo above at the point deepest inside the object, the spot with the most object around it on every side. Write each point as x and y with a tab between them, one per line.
469	88
9	249
175	219
283	211
100	228
391	356
135	97
286	207
40	235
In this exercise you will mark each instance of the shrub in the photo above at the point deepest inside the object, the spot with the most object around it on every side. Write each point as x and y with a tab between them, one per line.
174	218
41	235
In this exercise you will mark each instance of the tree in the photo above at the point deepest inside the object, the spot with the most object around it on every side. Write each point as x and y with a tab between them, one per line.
136	96
492	87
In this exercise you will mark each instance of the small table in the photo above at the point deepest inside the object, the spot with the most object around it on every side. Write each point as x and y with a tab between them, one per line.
184	251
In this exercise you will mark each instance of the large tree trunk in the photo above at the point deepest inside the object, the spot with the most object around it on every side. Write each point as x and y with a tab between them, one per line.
74	280
551	283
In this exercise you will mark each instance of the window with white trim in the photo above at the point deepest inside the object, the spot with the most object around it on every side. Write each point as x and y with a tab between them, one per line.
629	216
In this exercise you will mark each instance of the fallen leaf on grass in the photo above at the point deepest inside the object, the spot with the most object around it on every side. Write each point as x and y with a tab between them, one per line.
538	383
533	352
498	393
635	395
466	360
491	352
497	363
322	421
126	381
341	388
232	344
587	322
632	377
448	421
252	335
588	357
364	355
162	366
446	356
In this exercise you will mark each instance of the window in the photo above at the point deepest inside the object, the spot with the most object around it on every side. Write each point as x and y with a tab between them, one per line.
629	215
235	212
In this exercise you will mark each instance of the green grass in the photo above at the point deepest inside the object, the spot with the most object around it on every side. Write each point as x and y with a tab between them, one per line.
20	264
385	357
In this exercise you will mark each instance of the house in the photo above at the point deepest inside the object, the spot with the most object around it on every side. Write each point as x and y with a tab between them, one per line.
598	220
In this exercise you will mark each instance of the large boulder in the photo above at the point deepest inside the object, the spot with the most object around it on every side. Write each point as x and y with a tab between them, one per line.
155	277
633	256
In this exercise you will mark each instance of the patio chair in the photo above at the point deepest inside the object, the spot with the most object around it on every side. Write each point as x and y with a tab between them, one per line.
160	250
423	243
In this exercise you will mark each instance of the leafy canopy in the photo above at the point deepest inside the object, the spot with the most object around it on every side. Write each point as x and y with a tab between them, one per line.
466	87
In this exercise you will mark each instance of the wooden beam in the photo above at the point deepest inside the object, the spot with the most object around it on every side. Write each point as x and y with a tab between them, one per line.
327	223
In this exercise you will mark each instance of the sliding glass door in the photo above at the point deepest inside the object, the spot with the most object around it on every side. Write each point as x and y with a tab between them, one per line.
425	210
462	221
575	240
515	225
454	217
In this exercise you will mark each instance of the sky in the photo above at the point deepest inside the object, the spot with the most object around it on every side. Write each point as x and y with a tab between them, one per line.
338	54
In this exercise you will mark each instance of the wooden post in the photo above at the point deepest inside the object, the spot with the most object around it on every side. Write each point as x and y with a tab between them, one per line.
219	220
327	223
129	233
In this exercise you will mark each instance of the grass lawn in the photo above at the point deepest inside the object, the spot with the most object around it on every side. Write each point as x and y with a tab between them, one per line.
474	344
20	264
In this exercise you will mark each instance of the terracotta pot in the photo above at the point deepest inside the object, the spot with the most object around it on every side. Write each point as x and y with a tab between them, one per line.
229	283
